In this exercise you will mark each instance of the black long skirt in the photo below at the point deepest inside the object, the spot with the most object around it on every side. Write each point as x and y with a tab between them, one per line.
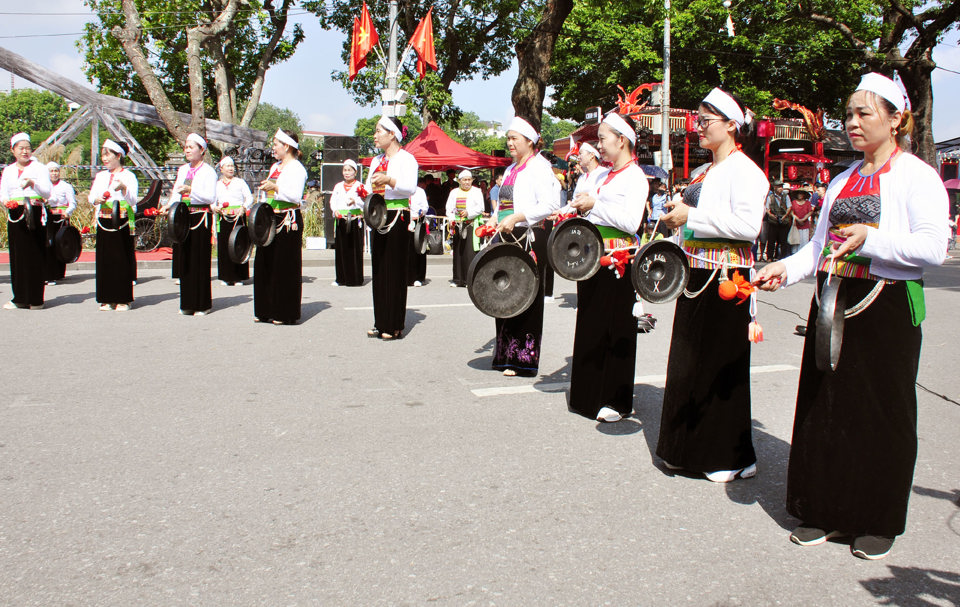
114	273
28	251
548	273
854	441
278	275
348	251
195	295
390	257
605	345
176	254
53	268
463	254
705	424
227	270
518	338
417	268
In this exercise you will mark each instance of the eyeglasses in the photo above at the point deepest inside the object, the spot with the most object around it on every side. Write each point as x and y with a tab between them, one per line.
703	123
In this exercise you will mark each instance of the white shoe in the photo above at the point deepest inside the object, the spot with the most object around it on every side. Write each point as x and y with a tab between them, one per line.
123	307
608	415
134	283
334	284
51	282
453	284
105	307
725	476
185	313
509	372
417	283
176	281
10	306
201	313
547	298
224	283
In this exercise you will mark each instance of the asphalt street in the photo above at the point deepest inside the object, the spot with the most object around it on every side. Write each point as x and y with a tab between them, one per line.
148	458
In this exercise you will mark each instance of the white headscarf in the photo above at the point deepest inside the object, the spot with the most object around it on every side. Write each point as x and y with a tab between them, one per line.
113	146
883	86
616	122
523	127
197	139
391	126
727	105
286	139
18	138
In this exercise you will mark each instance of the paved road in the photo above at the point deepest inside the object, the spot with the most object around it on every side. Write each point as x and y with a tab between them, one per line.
154	459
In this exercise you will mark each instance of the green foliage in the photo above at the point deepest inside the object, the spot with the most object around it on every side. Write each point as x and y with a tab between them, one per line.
472	39
269	118
775	53
364	128
37	113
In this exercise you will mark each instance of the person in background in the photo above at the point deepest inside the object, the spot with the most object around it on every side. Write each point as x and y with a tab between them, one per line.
233	200
346	204
464	206
776	223
61	205
800	212
656	207
417	271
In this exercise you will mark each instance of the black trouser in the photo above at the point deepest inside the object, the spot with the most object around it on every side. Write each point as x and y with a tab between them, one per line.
777	245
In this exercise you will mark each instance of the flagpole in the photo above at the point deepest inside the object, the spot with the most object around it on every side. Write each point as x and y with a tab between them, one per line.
392	64
665	160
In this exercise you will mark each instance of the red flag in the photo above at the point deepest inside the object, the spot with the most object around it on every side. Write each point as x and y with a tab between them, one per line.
422	43
367	37
355	61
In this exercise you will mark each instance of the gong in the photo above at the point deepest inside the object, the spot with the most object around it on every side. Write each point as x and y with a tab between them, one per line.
375	212
502	280
574	249
179	225
239	244
263	224
660	271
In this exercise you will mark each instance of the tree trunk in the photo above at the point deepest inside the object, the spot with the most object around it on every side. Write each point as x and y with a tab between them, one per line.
195	74
279	20
916	78
533	56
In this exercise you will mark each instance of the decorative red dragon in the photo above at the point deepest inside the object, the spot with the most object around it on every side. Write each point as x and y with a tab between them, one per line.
627	104
812	121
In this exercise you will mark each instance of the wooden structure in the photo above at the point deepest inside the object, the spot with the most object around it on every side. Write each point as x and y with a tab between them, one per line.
97	108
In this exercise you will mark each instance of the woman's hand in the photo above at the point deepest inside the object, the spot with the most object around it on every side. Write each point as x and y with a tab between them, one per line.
508	223
122	188
268	186
382	179
855	236
678	215
583	203
771	276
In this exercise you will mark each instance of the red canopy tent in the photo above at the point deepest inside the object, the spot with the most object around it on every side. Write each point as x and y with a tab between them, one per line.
435	151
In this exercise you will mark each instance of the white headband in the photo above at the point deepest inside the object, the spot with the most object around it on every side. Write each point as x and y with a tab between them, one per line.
391	126
586	147
197	139
617	123
883	86
350	163
52	165
225	161
113	146
18	138
465	174
286	139
523	127
726	105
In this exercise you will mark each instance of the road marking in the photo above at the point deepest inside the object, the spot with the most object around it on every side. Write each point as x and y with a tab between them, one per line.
451	305
640	379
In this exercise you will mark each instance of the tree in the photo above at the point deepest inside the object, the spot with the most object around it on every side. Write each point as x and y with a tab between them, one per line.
169	53
364	128
472	38
775	53
534	53
879	31
38	113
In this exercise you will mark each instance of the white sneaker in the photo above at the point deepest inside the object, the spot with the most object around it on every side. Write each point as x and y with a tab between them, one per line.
547	298
725	476
176	281
105	307
123	307
51	282
417	283
9	306
224	283
608	415
334	284
453	284
201	313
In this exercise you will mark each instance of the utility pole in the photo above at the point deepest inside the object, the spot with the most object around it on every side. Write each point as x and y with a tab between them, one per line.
392	97
665	103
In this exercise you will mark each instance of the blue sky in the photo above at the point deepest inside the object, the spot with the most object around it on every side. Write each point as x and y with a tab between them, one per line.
303	83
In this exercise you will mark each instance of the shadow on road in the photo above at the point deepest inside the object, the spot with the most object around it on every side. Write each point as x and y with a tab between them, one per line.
411	320
913	587
152	300
310	309
769	487
64	300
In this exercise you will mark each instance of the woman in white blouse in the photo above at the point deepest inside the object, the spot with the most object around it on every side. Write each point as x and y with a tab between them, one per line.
705	424
114	270
393	174
233	200
464	206
278	267
529	194
883	221
196	186
23	187
605	344
61	204
347	208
